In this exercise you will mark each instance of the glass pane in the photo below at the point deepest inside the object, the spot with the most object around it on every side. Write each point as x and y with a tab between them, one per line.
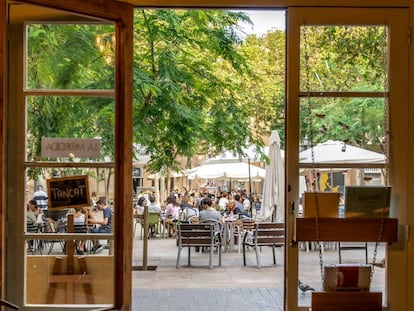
69	129
336	132
313	263
70	117
343	58
60	270
343	130
66	56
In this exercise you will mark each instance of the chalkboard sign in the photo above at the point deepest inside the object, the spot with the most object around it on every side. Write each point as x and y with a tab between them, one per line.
68	192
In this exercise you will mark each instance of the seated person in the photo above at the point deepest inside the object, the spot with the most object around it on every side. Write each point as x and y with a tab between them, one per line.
33	213
172	213
79	219
238	199
236	209
188	209
141	204
232	208
105	225
79	216
153	208
209	212
223	201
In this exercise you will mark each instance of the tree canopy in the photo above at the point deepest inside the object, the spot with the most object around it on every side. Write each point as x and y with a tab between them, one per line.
201	85
189	77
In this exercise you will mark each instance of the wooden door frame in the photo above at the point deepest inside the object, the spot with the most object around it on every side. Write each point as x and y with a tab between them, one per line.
121	14
124	22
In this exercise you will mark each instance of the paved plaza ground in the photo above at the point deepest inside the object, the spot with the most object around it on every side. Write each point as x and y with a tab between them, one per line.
231	286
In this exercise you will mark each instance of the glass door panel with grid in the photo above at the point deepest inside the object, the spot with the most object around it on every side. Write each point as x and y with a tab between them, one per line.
341	95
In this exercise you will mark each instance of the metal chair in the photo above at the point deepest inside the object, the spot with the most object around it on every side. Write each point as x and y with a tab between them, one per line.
153	223
34	245
61	228
243	226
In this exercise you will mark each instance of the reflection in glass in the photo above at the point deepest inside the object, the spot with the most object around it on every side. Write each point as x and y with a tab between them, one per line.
61	270
70	117
66	56
341	135
343	58
314	256
357	122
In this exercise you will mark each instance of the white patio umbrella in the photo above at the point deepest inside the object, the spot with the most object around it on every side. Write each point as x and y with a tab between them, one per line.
274	183
236	170
339	152
251	153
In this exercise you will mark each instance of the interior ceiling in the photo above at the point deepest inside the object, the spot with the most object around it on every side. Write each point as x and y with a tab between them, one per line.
23	12
202	3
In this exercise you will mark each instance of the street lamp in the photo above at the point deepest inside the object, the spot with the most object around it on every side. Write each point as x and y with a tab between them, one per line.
250	189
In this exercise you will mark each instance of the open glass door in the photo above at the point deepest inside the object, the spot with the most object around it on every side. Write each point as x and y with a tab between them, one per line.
70	102
346	71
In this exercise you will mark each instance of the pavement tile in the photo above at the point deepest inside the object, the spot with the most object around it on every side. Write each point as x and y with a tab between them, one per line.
229	287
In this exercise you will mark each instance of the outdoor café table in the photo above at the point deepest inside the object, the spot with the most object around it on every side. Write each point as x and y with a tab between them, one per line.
231	223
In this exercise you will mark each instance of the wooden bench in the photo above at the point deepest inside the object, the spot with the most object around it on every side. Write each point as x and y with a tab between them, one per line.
345	301
197	235
264	234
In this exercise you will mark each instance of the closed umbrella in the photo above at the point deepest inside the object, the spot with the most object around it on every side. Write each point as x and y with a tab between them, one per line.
274	183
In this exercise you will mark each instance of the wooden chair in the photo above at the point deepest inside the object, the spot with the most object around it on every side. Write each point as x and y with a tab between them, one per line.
264	234
197	235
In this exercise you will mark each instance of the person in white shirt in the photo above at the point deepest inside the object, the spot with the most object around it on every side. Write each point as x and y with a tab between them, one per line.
224	201
139	208
41	198
153	207
246	203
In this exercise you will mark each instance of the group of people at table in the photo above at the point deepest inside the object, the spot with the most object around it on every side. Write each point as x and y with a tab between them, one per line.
40	218
227	209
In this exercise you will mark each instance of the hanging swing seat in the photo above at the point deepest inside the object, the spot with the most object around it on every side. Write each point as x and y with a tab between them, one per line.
345	301
347	229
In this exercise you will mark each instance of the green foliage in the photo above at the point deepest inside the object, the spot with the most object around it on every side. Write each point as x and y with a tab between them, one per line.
264	95
199	87
189	74
66	56
344	59
63	56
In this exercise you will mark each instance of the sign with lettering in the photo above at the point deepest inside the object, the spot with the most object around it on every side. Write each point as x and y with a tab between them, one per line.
68	192
70	148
